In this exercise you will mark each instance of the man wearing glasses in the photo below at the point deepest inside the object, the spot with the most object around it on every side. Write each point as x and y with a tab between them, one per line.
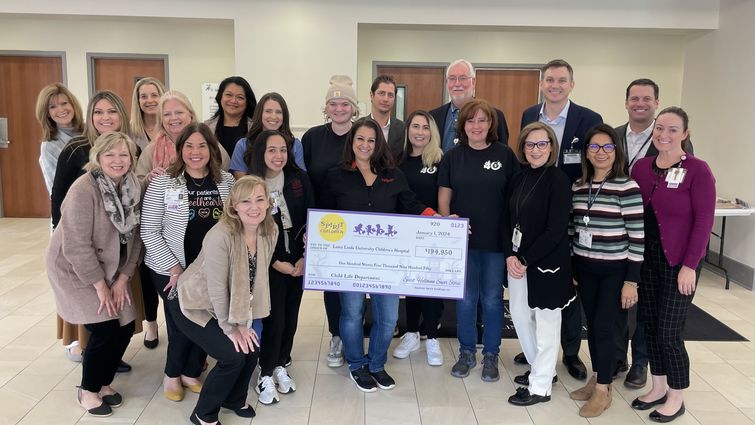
460	82
570	122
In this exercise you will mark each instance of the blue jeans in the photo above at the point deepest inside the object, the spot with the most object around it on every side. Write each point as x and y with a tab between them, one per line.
485	273
384	310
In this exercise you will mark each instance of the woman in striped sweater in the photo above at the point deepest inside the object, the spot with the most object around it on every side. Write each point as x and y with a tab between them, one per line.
607	243
179	208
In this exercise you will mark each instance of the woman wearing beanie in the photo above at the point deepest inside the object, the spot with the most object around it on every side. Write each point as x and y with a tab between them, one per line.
323	149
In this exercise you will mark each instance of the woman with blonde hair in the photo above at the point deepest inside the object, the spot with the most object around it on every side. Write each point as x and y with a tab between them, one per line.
144	108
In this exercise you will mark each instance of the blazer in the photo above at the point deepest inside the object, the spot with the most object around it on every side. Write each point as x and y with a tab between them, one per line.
440	113
652	151
578	121
396	137
163	231
299	196
85	249
216	285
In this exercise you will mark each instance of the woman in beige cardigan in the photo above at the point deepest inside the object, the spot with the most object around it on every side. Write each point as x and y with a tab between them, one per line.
90	260
223	291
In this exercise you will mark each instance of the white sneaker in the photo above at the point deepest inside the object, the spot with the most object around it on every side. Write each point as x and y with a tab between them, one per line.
434	353
409	343
335	354
266	389
283	380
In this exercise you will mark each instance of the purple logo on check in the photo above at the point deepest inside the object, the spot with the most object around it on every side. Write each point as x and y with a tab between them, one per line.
386	231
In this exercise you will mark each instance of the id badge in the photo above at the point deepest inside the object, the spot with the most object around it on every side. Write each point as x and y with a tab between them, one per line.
675	177
516	239
572	156
585	238
173	199
275	197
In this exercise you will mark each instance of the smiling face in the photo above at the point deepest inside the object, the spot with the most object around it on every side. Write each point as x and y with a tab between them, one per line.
196	154
276	155
149	98
419	134
537	157
556	84
60	111
116	162
233	100
272	115
175	118
339	111
364	144
252	210
641	104
477	128
669	132
105	117
601	160
460	84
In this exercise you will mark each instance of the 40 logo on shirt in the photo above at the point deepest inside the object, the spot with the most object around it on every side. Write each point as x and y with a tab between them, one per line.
428	170
492	165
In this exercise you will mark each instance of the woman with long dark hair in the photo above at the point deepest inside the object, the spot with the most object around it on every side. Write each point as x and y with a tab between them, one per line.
233	118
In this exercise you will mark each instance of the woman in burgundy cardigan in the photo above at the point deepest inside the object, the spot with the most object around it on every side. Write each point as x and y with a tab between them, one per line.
679	194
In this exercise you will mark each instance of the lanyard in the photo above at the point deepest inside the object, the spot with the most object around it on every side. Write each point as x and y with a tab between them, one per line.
519	200
591	200
626	148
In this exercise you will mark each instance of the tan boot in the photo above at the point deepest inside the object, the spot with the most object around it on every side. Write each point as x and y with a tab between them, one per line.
600	401
584	393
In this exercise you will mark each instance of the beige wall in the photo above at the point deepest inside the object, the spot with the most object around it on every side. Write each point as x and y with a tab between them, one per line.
199	51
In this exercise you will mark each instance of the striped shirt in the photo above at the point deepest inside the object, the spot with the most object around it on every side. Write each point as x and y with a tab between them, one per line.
615	222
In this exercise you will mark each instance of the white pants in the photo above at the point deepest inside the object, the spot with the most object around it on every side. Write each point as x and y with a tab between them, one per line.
539	333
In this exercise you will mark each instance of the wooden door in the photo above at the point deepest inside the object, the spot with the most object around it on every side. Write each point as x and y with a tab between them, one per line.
511	91
424	85
121	74
21	79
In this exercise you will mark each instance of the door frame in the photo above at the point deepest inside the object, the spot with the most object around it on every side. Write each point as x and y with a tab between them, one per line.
64	72
92	56
402	64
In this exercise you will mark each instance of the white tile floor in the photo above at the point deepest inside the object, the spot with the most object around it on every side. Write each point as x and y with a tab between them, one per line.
37	382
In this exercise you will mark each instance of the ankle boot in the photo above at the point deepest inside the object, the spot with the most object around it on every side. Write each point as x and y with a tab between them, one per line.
598	402
584	393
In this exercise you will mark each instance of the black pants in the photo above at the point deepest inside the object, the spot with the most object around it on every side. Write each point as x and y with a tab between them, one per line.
227	384
107	343
571	328
279	327
184	357
149	294
430	309
333	311
600	289
639	346
664	309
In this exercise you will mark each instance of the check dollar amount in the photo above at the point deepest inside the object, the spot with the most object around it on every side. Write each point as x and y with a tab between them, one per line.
386	254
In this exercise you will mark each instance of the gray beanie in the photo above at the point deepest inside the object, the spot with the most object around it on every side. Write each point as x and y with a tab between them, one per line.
341	87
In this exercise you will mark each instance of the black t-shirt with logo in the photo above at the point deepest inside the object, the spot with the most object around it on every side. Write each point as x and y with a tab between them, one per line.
205	208
423	181
479	180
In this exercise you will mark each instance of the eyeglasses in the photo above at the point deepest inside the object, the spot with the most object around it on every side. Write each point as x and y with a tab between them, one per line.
607	148
540	145
463	79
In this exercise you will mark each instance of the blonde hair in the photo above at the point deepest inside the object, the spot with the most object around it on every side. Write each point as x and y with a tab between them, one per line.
241	190
432	153
137	115
91	132
106	142
181	98
49	126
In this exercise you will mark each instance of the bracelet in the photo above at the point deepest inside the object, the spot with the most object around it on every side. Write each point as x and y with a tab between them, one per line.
632	284
175	274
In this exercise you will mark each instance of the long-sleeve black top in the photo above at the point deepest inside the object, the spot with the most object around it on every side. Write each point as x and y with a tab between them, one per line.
299	195
71	162
346	190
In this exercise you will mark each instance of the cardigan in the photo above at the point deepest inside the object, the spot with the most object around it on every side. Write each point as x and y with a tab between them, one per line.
216	284
163	230
299	196
84	249
684	214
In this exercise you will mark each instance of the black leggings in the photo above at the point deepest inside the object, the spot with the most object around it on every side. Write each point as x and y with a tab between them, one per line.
279	328
107	343
430	309
333	311
149	294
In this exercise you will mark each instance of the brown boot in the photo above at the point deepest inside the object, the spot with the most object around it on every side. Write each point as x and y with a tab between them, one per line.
600	401
584	393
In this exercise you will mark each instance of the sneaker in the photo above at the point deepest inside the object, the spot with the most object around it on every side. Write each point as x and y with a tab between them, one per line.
434	353
467	360
335	354
490	368
266	389
283	380
288	362
409	343
383	380
363	380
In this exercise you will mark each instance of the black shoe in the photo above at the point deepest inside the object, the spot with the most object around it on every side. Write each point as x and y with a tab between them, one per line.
113	400
638	404
659	417
524	398
575	367
383	380
288	362
363	380
244	412
525	379
621	367
123	367
637	376
101	411
151	343
195	419
520	359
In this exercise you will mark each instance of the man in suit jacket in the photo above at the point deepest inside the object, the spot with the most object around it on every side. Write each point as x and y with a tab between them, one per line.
382	98
460	82
570	122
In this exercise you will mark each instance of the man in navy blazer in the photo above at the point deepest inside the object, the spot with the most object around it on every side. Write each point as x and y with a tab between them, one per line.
460	82
570	122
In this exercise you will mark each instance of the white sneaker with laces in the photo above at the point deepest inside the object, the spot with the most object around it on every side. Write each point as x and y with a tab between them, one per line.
409	343
266	389
434	353
335	354
283	380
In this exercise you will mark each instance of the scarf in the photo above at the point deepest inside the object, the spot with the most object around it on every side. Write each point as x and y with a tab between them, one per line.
121	206
164	153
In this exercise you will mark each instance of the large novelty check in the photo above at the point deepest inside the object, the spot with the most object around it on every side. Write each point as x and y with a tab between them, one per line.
386	254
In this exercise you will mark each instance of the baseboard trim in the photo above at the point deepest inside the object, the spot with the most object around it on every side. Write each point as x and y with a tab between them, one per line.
739	273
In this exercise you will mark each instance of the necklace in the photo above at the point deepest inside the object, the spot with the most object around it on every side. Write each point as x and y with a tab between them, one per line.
193	180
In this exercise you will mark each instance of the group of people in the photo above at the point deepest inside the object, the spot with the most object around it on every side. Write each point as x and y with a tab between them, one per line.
211	218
